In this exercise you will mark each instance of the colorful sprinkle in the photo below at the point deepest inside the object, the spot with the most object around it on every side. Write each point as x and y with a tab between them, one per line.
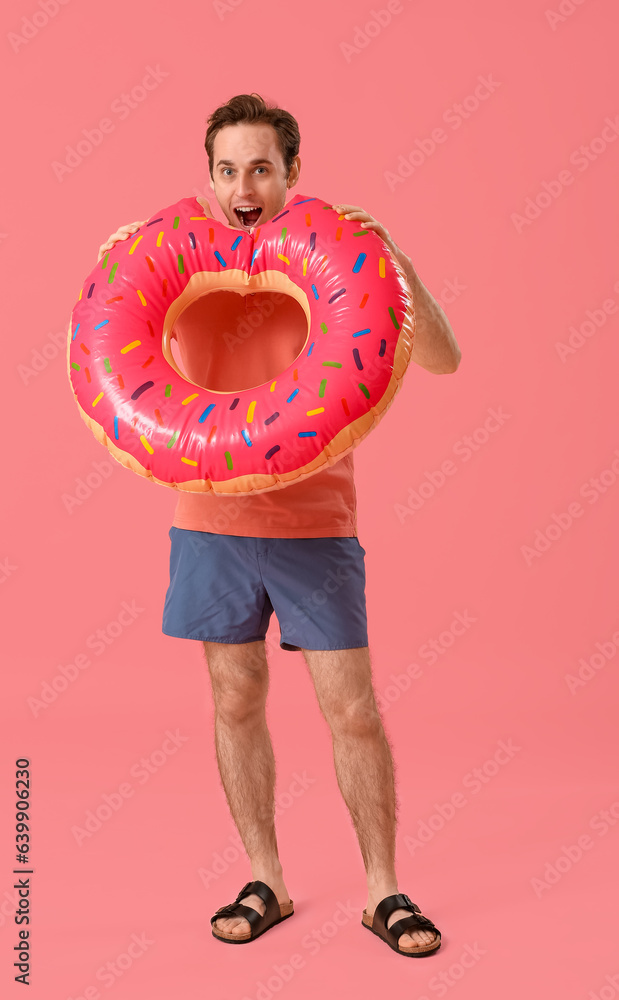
281	216
141	297
364	300
362	232
111	277
150	262
250	411
87	374
168	391
220	258
272	386
357	357
272	451
253	257
204	415
172	440
142	388
129	347
247	438
312	413
308	219
189	399
134	245
85	349
393	319
92	287
338	233
188	461
304	266
116	428
283	236
364	390
107	365
211	235
177	219
152	222
360	333
228	459
323	386
159	238
314	291
345	405
103	322
383	346
307	434
381	267
75	332
181	264
235	403
236	242
285	259
292	395
212	434
359	263
311	348
303	201
337	295
269	420
149	361
159	418
192	241
312	241
332	364
76	366
95	401
104	261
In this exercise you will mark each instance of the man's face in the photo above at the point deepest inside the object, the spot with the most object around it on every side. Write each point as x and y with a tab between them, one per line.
249	172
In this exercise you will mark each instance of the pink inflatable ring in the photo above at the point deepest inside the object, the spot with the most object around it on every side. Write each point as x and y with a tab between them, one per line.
154	420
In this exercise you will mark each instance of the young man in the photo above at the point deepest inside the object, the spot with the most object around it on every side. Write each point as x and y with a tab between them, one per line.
229	574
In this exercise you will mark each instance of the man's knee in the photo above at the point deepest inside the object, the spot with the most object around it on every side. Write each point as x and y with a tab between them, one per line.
358	716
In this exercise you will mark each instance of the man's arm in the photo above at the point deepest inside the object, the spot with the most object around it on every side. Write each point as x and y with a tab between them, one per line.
434	345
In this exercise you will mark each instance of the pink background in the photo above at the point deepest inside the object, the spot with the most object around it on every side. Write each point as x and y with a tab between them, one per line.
501	875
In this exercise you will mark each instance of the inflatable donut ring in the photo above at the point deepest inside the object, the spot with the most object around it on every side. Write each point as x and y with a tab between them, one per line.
157	422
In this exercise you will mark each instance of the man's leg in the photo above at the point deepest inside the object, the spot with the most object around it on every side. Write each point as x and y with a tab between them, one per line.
364	767
240	681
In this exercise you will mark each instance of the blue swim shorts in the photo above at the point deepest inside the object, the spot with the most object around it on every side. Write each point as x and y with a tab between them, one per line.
224	588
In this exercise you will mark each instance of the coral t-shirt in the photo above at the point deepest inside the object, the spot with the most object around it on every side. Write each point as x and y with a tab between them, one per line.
227	342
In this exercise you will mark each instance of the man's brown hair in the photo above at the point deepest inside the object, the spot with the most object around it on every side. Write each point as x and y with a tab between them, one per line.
252	109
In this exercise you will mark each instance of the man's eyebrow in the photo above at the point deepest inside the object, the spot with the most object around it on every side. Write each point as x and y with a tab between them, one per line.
230	163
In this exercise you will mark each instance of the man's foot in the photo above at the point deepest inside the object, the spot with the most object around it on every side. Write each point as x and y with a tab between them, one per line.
412	941
239	926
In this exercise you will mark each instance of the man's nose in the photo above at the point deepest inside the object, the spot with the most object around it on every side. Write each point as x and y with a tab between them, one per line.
244	185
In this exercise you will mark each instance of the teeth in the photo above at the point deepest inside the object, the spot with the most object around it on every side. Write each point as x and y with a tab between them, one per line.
246	208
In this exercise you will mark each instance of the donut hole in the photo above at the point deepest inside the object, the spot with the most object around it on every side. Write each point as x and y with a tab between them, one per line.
226	341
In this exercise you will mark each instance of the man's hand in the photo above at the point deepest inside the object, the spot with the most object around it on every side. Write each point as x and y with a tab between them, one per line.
124	232
435	347
367	221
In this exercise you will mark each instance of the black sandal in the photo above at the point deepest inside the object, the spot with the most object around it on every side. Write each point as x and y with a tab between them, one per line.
416	922
259	923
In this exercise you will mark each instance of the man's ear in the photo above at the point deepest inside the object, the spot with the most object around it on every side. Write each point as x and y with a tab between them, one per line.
295	170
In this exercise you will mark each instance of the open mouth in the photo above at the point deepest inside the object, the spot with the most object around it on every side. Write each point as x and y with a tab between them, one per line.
248	215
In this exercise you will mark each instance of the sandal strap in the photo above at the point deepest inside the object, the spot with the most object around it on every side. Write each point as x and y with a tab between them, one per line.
239	909
400	901
411	923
